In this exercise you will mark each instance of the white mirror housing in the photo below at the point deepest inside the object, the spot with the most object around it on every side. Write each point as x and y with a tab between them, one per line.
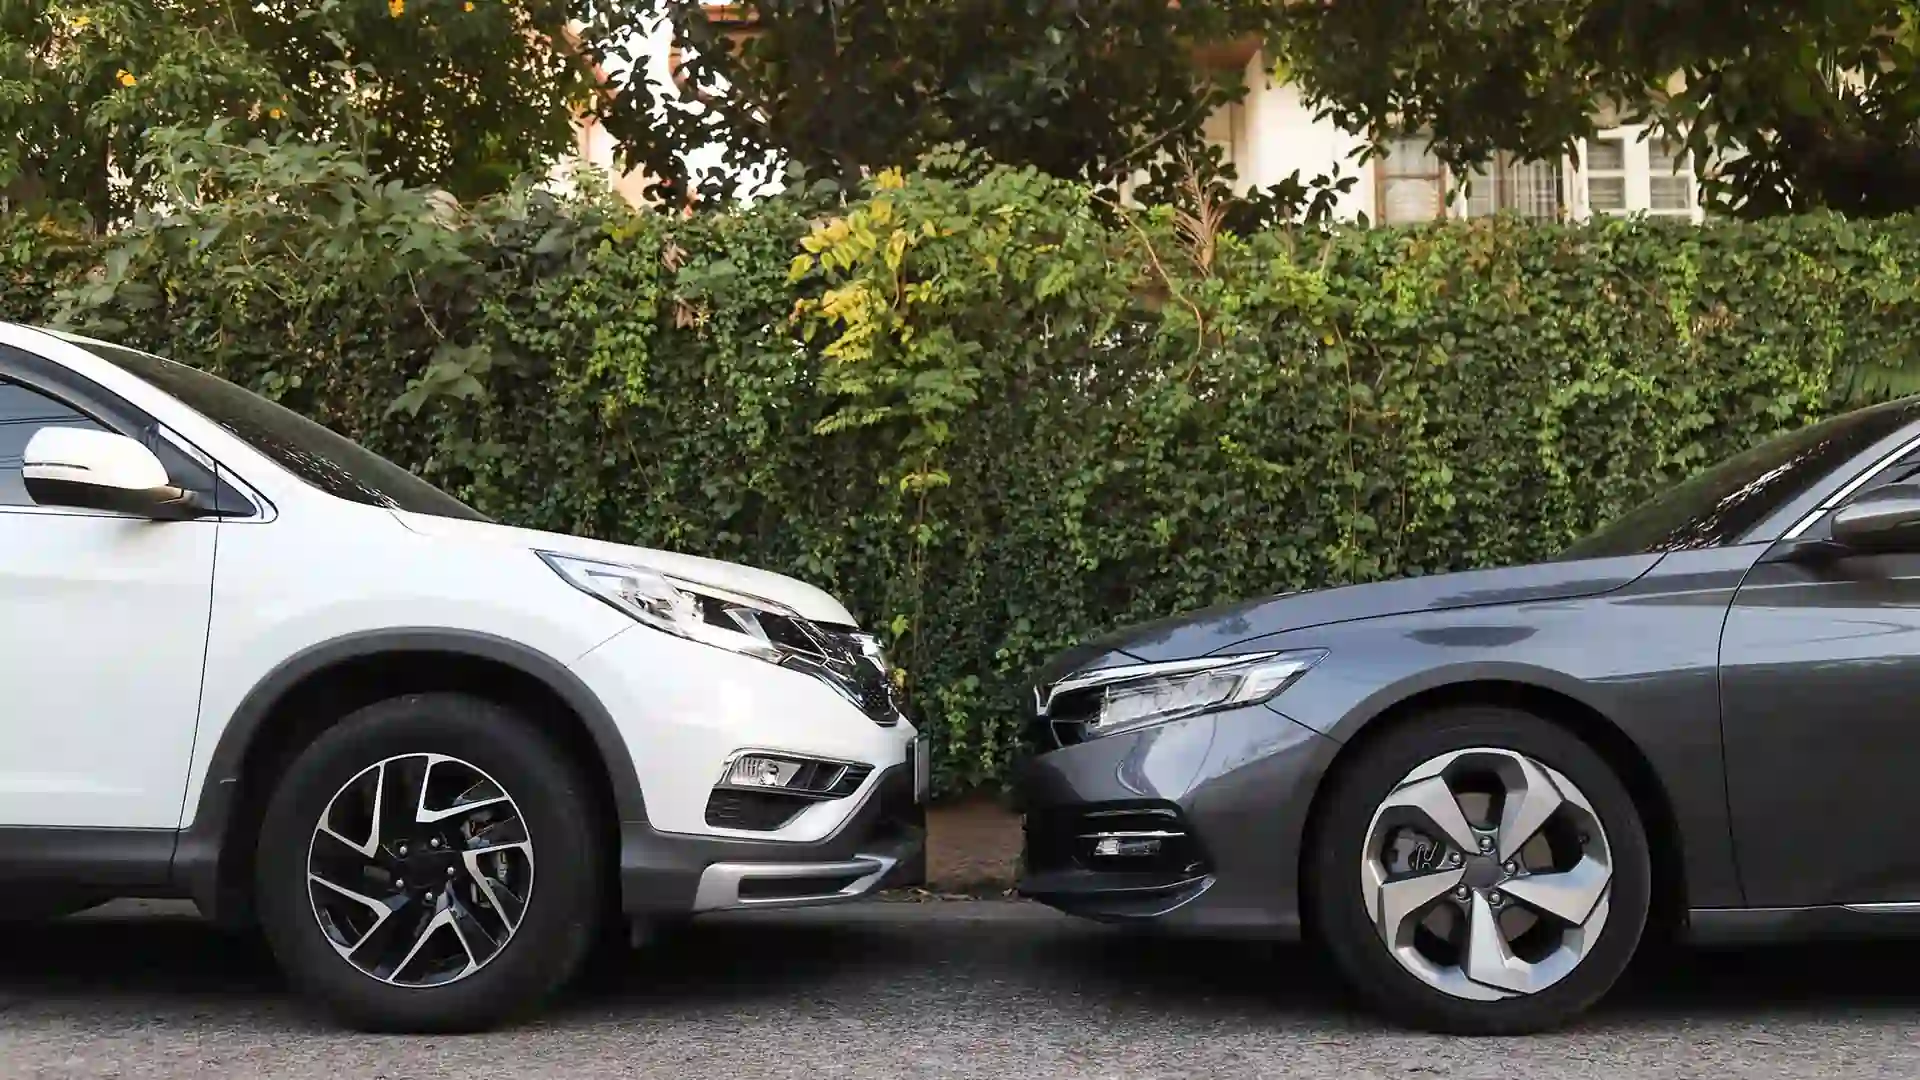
100	470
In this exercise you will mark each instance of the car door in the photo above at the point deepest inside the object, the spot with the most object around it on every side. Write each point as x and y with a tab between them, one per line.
1820	705
103	631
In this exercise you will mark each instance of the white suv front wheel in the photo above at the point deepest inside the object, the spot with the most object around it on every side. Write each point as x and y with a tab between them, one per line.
429	864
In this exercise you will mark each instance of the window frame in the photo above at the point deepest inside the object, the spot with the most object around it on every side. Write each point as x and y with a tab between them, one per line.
1636	175
7	379
1382	177
1500	173
1574	175
1453	204
186	463
1867	472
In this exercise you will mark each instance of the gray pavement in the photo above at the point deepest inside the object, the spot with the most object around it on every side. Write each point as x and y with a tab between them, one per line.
944	989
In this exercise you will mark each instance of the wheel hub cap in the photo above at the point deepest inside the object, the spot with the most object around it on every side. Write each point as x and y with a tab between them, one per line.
420	870
1482	872
1487	874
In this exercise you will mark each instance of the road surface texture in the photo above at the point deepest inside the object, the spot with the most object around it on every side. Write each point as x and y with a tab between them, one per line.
936	989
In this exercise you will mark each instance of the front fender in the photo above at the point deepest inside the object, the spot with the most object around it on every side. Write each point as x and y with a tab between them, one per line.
1645	658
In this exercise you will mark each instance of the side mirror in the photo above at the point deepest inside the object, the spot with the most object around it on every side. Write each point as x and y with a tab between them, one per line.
99	470
1887	519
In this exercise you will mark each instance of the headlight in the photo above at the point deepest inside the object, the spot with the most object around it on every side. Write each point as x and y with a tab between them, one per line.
1128	698
703	613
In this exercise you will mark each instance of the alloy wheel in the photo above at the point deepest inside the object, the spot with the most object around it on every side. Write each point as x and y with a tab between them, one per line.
1487	874
420	870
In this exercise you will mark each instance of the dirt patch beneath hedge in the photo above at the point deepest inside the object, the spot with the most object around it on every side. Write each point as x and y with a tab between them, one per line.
973	846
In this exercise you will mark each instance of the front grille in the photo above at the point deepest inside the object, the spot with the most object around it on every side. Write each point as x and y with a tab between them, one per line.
1065	724
845	659
851	663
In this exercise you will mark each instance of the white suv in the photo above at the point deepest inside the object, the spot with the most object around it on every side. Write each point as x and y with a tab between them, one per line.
248	662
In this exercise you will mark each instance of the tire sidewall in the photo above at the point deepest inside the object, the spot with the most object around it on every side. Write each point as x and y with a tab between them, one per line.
1340	908
563	907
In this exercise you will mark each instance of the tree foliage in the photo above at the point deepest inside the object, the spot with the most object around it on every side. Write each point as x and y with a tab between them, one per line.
1790	105
992	411
462	94
835	89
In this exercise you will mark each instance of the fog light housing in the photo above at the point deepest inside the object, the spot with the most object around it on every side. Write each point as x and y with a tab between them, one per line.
762	790
1127	847
759	771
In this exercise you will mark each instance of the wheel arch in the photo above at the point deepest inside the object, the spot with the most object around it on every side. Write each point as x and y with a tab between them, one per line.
316	688
1580	719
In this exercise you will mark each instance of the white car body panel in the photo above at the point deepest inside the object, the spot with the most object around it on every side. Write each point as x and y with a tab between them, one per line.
101	652
316	569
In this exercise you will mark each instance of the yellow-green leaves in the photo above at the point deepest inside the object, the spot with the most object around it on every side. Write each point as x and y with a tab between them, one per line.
995	417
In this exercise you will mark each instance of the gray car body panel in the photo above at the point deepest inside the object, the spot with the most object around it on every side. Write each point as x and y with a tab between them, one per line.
1645	656
1634	638
1221	628
1767	691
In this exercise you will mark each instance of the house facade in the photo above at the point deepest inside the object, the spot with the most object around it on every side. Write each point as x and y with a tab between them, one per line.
1273	132
1622	170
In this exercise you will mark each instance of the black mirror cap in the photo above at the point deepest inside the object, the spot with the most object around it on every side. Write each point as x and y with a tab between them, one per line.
159	504
1884	520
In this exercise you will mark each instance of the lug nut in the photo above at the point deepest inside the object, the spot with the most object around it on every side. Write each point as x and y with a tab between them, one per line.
1453	859
429	897
1459	892
1495	898
450	871
403	849
435	841
1486	843
1511	867
398	884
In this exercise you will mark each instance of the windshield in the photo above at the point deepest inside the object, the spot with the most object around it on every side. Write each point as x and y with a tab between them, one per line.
1719	505
335	465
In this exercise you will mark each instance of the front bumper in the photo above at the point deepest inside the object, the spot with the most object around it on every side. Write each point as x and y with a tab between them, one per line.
1222	797
687	711
882	845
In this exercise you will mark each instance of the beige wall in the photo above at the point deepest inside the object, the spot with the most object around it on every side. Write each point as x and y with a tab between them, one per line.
1273	132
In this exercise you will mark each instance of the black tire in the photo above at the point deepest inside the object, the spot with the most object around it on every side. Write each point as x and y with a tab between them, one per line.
564	908
1345	929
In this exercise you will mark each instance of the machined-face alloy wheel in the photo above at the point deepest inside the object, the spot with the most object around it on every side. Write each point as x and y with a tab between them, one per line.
1487	874
420	870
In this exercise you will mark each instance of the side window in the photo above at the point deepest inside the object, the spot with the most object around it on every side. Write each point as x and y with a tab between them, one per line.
23	412
1904	471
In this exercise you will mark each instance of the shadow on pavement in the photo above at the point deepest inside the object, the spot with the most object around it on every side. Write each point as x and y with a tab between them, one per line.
769	962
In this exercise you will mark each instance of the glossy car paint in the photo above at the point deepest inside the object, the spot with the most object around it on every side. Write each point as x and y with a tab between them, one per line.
1759	705
1820	674
194	621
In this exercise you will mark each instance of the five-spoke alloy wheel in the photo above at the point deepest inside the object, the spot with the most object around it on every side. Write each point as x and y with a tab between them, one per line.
1480	871
396	868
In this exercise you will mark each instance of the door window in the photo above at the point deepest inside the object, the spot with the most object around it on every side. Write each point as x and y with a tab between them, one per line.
24	411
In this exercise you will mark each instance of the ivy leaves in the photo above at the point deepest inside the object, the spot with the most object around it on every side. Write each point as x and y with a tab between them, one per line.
993	412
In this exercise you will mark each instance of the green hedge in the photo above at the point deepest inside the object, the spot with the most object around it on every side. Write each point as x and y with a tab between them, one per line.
996	415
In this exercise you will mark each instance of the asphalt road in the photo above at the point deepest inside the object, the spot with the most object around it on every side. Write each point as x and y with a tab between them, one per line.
931	990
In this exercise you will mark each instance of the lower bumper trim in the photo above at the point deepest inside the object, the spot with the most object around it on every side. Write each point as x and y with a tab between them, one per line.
724	886
882	846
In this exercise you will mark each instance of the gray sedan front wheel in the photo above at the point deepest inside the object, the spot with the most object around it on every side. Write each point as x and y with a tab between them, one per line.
1480	871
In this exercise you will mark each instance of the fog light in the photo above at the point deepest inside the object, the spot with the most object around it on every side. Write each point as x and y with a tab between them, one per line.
762	772
1127	846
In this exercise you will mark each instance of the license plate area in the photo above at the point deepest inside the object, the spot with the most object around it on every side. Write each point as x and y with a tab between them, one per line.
920	760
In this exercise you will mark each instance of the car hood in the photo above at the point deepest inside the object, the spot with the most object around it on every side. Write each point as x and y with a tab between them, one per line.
799	596
1212	629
